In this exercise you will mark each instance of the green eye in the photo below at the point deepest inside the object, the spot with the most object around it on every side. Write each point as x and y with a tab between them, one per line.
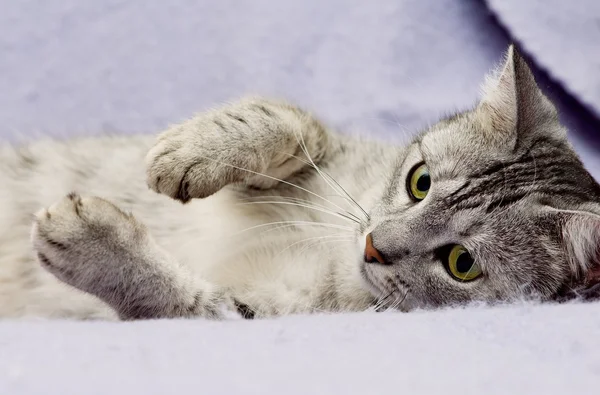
419	182
461	264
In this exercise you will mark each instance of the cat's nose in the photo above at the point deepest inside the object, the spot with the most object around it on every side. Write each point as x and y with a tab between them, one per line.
371	253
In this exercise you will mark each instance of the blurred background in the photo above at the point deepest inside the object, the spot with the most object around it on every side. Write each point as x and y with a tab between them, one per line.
385	68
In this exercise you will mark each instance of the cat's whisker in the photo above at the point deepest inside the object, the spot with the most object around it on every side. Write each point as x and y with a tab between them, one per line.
340	240
291	226
380	303
392	306
302	144
309	239
349	238
282	224
400	301
318	240
272	178
384	306
340	215
304	148
294	223
305	201
377	305
348	196
382	300
287	198
323	173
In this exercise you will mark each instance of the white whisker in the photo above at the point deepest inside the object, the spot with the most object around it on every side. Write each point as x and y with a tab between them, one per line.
292	226
400	300
336	240
292	223
325	225
272	178
382	300
304	148
322	174
348	196
305	201
340	215
312	238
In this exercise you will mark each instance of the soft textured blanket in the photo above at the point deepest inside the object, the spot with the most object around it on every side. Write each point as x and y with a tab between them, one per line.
386	68
519	350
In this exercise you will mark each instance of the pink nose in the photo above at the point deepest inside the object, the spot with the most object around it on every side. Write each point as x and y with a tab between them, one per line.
371	253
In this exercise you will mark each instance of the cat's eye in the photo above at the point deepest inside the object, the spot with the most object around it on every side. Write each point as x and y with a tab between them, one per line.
419	182
461	264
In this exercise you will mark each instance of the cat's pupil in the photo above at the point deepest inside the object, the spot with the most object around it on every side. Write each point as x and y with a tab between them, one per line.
424	183
464	262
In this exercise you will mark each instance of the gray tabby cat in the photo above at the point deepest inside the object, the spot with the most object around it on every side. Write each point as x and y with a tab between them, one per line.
284	216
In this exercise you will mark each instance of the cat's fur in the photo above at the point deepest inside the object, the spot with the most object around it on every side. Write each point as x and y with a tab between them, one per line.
279	208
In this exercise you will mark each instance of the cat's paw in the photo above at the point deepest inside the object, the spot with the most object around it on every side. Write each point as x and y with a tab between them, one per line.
202	155
80	239
195	160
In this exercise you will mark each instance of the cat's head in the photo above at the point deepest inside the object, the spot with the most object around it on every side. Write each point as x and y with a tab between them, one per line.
489	205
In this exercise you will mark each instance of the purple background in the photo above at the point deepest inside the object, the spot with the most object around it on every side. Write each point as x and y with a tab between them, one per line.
70	67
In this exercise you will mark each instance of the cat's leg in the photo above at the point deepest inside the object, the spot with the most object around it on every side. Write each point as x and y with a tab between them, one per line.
92	245
235	144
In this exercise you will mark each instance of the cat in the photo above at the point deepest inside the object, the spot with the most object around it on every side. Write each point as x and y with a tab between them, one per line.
283	215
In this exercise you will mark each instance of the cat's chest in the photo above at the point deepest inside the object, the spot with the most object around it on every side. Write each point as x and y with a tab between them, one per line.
276	258
288	272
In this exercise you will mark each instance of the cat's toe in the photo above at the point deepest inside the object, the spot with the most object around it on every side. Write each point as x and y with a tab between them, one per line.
163	169
68	205
75	220
51	247
53	226
183	172
77	238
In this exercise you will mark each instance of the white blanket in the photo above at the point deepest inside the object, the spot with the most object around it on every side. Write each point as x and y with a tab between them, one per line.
518	350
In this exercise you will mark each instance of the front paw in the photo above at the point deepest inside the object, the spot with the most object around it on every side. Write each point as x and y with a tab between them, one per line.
79	239
202	155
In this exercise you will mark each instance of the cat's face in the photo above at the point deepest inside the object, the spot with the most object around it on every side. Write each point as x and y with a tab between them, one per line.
490	205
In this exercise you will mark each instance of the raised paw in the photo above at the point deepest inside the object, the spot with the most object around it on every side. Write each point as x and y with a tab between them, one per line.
182	168
82	239
197	159
237	143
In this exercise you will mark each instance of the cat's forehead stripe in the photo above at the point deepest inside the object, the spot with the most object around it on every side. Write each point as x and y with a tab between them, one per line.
501	184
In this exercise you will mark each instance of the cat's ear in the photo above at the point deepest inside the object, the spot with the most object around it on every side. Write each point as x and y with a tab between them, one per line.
581	237
512	104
